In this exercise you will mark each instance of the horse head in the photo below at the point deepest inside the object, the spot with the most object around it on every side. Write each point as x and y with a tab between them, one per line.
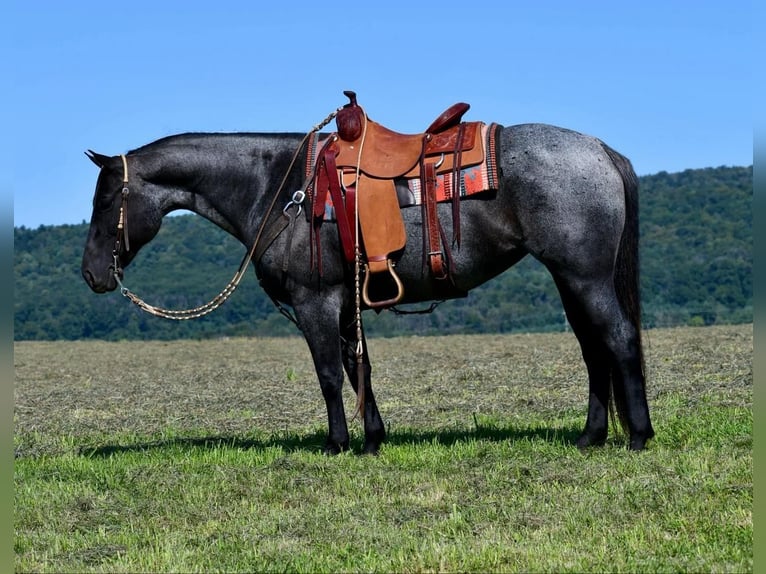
126	216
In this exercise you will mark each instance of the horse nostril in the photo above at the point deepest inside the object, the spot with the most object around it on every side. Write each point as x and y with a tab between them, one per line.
89	279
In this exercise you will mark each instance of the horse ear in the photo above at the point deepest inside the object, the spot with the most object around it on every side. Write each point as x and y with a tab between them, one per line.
97	158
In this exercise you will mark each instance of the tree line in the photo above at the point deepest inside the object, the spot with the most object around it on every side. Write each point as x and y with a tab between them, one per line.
696	269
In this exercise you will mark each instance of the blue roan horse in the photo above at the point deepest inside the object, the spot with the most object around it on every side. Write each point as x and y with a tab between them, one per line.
565	198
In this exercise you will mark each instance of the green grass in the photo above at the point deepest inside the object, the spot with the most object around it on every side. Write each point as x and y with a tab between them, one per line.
150	457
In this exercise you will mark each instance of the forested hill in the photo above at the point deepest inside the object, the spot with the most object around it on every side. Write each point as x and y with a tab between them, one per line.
696	268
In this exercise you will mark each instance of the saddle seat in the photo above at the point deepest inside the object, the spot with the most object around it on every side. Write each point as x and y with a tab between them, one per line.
383	153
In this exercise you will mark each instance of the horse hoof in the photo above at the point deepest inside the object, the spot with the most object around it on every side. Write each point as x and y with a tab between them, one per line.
639	439
373	449
637	443
587	440
332	449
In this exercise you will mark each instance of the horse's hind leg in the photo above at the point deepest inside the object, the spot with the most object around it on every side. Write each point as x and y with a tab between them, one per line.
374	431
611	350
599	372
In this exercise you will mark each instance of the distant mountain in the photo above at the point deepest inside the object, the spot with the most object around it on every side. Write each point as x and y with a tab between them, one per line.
696	268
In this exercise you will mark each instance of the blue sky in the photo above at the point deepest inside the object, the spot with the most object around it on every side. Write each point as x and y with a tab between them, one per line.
669	84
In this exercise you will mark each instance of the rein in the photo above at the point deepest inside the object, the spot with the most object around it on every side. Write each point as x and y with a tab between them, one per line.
218	300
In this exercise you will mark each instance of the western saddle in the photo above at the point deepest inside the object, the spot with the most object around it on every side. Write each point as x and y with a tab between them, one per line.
358	166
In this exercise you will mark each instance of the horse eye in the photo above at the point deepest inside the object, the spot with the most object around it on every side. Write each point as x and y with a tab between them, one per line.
105	201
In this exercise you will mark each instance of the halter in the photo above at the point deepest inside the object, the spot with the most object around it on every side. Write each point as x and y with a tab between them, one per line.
122	223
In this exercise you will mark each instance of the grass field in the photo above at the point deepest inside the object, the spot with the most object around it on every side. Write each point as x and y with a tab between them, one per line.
205	456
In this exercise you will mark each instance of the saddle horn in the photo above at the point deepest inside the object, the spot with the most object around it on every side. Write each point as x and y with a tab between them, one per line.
350	119
351	95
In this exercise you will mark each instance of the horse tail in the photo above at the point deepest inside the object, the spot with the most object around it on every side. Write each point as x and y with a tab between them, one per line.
626	275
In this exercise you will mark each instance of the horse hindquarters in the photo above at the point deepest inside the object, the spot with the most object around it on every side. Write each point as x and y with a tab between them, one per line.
604	311
575	203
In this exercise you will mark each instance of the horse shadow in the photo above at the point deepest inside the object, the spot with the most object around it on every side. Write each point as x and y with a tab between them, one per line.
314	441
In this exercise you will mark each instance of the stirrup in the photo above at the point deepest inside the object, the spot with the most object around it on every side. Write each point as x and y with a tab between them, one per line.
386	302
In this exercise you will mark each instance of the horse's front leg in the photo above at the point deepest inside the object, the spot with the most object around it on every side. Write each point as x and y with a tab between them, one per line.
374	431
318	318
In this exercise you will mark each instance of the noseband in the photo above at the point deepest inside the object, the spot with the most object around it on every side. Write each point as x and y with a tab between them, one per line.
122	223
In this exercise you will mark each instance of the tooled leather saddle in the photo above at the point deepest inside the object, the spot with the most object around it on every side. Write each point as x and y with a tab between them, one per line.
359	165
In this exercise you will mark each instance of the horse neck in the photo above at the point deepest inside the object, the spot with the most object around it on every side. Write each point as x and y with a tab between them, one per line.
229	179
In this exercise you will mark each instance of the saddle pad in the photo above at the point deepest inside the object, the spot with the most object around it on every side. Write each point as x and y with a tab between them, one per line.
475	179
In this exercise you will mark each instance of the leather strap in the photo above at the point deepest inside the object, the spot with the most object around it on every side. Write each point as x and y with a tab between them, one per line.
431	232
271	232
456	185
329	180
122	224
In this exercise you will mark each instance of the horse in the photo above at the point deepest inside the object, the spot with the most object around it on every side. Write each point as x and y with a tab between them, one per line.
563	197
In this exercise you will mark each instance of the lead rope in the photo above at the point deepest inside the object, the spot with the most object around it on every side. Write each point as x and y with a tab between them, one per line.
218	300
360	391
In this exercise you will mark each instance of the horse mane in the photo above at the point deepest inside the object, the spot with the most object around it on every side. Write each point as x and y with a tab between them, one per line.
196	137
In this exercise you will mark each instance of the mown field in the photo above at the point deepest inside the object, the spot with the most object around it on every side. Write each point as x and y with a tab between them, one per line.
205	456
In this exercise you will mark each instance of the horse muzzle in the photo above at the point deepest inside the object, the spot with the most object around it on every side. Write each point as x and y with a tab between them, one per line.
103	284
